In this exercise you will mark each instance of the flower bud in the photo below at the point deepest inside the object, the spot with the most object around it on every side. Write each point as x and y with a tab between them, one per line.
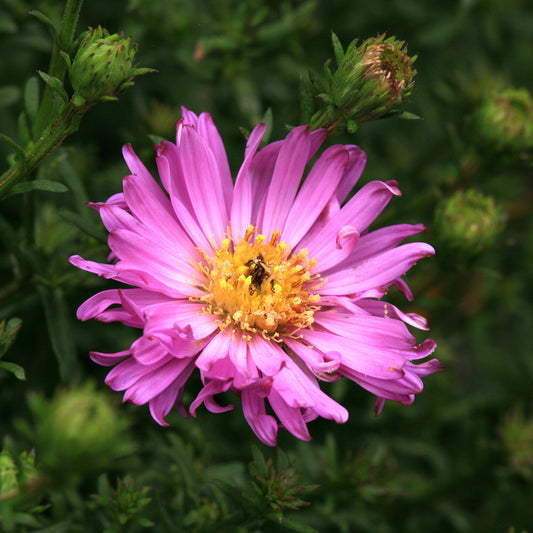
16	472
469	221
503	122
103	66
372	81
78	431
516	434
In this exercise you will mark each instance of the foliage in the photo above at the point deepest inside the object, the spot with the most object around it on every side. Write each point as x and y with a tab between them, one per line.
458	460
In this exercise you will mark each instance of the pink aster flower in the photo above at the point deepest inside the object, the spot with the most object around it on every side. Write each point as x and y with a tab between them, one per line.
265	287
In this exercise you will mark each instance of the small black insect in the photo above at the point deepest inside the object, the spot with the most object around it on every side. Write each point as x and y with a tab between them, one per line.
258	270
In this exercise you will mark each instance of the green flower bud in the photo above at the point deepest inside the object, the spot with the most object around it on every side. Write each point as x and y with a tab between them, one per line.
516	434
103	66
16	472
469	221
78	431
372	81
503	122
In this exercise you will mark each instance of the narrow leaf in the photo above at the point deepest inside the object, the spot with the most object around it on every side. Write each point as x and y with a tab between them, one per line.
306	99
8	333
15	369
55	84
13	144
9	94
23	129
45	20
338	49
298	526
84	224
268	119
31	97
38	185
59	329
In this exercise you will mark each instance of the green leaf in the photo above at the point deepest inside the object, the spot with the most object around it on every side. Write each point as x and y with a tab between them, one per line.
15	369
74	182
297	526
38	185
84	224
45	20
59	328
8	140
306	99
8	333
268	120
9	94
31	97
23	129
338	49
55	84
408	116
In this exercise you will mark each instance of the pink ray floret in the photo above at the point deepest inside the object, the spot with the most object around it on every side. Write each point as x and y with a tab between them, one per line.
265	287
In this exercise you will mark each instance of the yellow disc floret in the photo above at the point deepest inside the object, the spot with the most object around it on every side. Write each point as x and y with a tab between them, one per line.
258	286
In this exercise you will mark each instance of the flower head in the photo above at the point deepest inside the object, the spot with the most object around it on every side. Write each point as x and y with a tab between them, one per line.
264	287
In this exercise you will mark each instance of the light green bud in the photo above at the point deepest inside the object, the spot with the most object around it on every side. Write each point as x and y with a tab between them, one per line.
78	431
103	66
372	81
504	122
469	221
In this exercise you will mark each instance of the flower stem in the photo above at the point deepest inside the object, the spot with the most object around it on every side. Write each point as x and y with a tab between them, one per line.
65	124
58	66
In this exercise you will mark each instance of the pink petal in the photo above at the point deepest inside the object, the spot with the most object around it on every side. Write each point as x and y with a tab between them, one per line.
290	417
380	270
241	210
319	186
109	359
204	184
263	425
353	172
206	396
384	363
286	178
358	213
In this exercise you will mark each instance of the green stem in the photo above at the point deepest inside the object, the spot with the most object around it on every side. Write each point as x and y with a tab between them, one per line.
65	124
58	66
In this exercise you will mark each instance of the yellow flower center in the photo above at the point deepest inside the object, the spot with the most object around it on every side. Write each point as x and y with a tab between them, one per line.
259	287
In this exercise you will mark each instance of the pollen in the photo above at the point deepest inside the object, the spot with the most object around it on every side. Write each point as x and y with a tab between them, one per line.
259	286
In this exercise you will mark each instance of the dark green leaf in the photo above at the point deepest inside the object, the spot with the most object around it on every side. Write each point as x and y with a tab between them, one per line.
23	129
59	328
45	20
31	97
306	99
55	84
297	526
38	185
13	144
8	333
9	94
84	224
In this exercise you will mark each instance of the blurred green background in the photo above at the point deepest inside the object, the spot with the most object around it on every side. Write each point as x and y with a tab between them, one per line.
460	459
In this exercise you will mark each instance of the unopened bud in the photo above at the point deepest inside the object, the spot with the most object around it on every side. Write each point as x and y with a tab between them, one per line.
469	221
103	66
372	81
503	122
78	431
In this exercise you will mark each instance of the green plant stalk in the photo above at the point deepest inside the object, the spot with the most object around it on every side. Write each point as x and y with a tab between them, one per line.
58	66
65	124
